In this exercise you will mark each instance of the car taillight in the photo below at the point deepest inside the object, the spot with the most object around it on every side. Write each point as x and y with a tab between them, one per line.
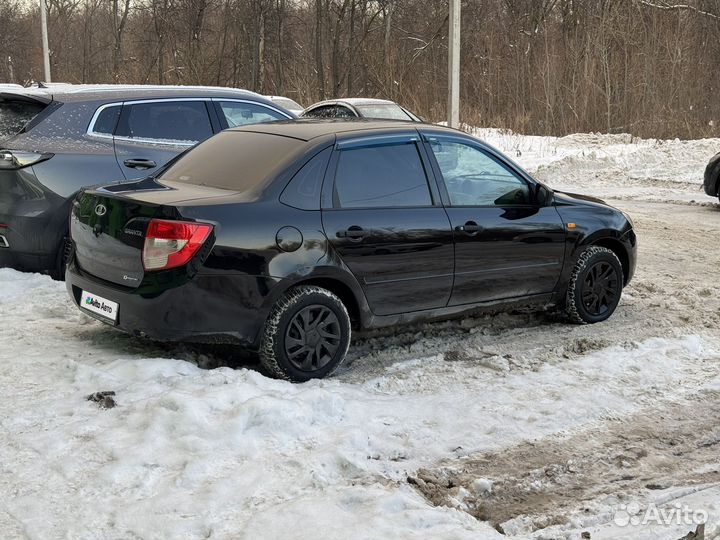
12	159
169	244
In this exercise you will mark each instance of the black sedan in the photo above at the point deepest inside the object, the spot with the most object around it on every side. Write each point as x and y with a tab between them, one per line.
283	237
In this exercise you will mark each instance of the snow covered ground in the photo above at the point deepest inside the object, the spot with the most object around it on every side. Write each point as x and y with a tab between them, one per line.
517	422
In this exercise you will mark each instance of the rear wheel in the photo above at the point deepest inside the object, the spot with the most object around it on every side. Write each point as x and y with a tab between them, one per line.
595	286
306	335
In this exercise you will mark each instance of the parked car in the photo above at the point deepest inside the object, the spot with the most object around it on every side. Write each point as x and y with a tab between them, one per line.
712	177
359	108
55	141
287	103
282	237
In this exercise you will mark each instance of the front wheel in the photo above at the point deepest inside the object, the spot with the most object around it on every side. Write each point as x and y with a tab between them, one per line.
306	335
595	286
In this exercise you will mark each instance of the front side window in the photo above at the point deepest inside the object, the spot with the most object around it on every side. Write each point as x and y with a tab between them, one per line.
381	176
474	178
171	121
239	113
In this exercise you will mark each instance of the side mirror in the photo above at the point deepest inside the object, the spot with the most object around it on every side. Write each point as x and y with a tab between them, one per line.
543	195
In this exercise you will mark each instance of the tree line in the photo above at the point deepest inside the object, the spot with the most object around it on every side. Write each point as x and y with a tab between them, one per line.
647	67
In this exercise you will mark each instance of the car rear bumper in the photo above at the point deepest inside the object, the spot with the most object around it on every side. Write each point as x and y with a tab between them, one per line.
205	309
32	222
26	262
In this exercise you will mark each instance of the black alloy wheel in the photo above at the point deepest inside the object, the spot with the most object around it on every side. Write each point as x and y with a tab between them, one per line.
306	335
600	288
595	286
312	338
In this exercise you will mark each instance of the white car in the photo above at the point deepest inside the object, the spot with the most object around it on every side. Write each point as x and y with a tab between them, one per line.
359	108
287	103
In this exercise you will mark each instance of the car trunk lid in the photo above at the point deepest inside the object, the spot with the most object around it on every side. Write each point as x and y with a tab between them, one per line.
108	234
109	225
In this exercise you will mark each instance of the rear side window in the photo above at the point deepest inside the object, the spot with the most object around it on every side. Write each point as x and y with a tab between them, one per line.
15	115
234	160
303	191
172	121
106	120
240	113
381	176
330	111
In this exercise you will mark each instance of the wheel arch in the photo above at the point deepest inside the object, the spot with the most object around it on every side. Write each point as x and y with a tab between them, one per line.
339	282
617	247
340	289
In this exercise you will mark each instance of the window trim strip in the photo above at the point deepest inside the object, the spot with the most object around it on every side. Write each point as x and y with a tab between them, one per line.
168	142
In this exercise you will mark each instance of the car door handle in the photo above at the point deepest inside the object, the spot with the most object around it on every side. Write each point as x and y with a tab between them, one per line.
140	163
353	233
470	228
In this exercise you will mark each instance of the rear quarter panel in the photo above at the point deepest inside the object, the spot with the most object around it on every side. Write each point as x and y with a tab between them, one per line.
248	259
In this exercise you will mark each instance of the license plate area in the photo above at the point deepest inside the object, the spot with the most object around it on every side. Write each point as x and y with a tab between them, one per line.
104	308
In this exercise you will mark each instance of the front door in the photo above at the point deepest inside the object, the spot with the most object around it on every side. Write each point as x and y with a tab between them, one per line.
385	222
506	244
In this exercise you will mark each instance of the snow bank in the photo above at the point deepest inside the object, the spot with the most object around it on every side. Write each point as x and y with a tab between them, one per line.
611	165
195	453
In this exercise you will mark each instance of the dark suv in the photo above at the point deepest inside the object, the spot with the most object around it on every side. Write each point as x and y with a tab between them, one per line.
712	177
55	141
282	237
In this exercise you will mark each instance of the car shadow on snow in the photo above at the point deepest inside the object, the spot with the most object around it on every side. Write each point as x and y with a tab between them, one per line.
204	356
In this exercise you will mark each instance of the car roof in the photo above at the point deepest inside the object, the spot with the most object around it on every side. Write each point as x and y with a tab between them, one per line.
309	128
92	92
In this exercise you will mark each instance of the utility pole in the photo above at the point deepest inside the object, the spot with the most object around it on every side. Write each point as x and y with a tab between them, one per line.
46	48
453	109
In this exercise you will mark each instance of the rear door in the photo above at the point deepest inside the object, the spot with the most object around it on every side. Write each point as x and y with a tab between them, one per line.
506	244
150	133
384	218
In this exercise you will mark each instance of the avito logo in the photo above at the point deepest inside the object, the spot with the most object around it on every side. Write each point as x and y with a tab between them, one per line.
98	305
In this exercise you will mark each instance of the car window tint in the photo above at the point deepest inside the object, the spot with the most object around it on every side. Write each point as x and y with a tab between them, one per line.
15	115
381	176
181	121
330	111
235	160
303	191
340	111
473	178
241	113
107	120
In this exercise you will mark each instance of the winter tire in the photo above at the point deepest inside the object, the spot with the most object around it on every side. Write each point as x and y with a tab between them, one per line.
306	335
595	286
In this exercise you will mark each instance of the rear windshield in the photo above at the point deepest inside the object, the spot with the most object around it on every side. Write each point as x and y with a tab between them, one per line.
14	115
391	111
235	160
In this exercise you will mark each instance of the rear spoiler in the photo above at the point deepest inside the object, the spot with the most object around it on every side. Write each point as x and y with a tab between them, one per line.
30	97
